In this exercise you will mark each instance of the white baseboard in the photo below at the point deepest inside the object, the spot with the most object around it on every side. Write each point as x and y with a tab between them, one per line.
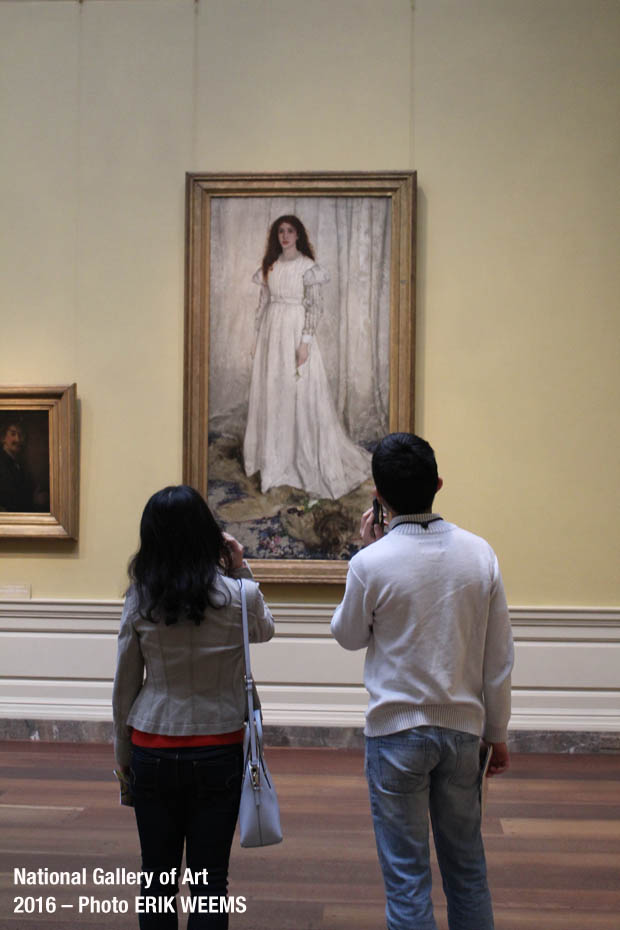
57	663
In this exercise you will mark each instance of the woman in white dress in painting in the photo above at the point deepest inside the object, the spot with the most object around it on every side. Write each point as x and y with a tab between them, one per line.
293	434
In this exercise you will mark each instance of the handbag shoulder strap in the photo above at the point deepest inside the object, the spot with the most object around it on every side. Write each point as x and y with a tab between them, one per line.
249	681
246	630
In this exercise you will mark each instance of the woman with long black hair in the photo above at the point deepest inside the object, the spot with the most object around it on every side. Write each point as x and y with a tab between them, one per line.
179	730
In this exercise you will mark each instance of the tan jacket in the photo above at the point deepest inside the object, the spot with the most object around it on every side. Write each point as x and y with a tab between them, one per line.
194	674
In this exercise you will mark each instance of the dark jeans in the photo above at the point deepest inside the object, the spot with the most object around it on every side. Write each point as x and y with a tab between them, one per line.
186	795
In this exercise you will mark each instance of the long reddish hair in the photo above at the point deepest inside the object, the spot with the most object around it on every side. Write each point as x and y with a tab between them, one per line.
273	249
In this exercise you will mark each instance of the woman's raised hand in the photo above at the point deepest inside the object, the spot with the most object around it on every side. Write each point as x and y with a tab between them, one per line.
236	551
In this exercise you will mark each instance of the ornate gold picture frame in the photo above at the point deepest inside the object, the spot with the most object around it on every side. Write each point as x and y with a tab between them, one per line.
250	397
39	491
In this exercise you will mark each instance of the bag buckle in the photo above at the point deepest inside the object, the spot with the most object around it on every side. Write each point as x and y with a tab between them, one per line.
254	775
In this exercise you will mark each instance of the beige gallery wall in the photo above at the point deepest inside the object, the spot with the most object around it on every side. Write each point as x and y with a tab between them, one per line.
507	110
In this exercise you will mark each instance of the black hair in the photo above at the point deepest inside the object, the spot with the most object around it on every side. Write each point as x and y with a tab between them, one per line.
273	249
7	423
182	549
405	473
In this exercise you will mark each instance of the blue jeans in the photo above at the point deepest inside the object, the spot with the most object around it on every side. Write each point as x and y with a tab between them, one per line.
186	796
412	773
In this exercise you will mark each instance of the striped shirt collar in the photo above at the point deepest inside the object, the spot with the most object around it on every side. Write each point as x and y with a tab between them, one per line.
423	518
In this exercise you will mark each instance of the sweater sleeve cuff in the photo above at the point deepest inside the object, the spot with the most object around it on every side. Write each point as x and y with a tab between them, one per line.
495	734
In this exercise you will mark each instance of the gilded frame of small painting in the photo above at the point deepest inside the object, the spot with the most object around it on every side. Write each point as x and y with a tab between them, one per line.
39	495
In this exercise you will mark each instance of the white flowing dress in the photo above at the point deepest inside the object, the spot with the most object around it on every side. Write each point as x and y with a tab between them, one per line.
293	435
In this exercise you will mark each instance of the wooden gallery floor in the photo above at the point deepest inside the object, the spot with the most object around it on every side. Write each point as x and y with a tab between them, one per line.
552	834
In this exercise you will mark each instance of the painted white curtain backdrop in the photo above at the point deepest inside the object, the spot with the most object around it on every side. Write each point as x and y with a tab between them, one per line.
351	241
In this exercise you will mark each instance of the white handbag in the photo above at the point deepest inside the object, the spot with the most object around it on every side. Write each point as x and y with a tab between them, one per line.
259	811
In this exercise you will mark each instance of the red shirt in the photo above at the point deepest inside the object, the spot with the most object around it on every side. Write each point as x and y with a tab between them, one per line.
161	741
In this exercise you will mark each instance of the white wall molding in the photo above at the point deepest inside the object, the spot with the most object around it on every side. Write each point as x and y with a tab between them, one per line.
66	612
57	663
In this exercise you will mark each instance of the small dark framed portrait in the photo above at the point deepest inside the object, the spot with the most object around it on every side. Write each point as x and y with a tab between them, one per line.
38	462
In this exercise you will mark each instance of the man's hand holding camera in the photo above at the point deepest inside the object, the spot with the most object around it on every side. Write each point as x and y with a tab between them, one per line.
372	526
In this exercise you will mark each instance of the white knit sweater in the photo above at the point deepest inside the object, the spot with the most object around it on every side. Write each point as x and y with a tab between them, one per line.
429	604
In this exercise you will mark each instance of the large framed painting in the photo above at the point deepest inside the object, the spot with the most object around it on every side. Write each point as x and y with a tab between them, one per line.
38	462
299	356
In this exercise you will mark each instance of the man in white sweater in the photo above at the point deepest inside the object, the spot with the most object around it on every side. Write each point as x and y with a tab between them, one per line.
427	602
